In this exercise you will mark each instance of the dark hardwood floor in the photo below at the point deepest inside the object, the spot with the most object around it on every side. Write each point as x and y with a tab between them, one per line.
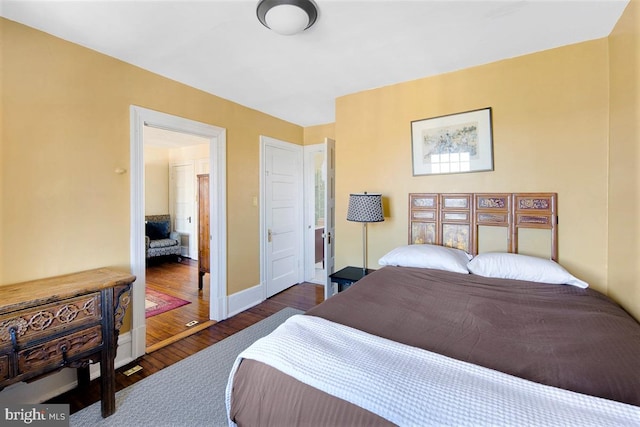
178	279
302	296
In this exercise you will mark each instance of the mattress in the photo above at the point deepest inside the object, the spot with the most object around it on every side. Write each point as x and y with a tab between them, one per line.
557	335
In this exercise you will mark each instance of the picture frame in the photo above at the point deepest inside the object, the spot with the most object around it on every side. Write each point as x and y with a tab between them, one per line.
453	143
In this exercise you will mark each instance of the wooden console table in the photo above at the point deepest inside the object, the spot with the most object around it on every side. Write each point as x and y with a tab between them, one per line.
64	321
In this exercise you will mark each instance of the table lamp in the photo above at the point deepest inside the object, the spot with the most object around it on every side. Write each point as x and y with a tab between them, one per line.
365	208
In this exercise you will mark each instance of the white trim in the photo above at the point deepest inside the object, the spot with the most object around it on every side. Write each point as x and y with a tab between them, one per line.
217	159
263	227
309	211
218	220
137	245
330	216
245	299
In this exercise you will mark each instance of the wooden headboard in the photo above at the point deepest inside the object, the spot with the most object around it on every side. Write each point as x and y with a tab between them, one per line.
452	219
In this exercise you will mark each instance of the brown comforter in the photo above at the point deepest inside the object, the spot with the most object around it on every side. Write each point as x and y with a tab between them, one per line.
563	336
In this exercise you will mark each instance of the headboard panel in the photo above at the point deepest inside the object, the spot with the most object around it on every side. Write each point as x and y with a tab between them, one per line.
536	210
452	219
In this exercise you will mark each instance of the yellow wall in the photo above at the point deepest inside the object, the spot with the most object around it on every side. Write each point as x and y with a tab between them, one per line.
317	134
156	180
66	128
550	133
624	157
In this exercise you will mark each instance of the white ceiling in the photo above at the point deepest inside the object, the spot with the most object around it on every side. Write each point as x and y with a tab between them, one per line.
221	48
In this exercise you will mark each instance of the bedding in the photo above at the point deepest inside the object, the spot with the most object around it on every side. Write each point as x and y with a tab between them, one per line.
553	335
522	267
427	256
456	393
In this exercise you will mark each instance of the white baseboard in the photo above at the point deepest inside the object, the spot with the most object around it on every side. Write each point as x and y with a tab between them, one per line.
53	385
139	339
243	300
123	356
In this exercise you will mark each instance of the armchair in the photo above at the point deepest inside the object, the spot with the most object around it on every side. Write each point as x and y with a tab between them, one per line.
159	239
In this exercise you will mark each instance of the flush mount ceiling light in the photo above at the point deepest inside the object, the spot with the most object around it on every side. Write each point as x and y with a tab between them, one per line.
287	17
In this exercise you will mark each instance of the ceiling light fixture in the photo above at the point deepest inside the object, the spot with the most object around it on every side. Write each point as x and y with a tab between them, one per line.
287	17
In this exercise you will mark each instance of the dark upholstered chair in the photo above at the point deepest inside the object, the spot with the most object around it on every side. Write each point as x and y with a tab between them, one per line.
159	239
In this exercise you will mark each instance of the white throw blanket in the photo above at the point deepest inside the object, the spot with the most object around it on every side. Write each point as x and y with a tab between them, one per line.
414	387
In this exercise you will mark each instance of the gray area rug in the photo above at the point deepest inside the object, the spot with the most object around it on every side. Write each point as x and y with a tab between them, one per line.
188	393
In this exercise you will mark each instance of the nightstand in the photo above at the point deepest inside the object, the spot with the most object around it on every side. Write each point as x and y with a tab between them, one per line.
348	276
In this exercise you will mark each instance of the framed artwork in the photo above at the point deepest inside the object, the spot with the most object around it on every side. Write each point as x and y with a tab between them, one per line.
455	143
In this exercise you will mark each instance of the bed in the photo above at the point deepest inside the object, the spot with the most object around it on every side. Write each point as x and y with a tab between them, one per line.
442	335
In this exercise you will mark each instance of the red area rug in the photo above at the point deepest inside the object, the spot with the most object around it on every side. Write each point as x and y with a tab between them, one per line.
156	303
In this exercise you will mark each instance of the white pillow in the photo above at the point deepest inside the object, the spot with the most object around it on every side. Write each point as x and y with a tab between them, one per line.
522	267
428	256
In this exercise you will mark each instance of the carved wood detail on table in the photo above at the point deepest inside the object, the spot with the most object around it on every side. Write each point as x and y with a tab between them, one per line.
64	321
30	324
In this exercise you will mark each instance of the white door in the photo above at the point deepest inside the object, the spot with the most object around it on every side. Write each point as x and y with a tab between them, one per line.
183	196
282	210
329	214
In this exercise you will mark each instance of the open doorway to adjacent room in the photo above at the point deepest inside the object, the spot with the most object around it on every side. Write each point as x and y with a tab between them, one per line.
174	304
216	279
315	188
319	181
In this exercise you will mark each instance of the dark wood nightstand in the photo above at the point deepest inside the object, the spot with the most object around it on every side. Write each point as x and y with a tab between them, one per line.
348	276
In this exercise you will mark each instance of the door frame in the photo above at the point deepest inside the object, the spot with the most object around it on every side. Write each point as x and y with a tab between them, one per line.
264	141
330	288
139	117
309	214
327	149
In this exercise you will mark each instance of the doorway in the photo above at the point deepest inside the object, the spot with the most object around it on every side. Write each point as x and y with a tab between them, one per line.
216	137
319	177
173	300
315	190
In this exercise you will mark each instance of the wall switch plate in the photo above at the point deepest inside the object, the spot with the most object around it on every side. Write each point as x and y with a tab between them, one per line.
192	323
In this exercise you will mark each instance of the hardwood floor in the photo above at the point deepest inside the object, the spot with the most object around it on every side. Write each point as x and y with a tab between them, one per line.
302	296
178	280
